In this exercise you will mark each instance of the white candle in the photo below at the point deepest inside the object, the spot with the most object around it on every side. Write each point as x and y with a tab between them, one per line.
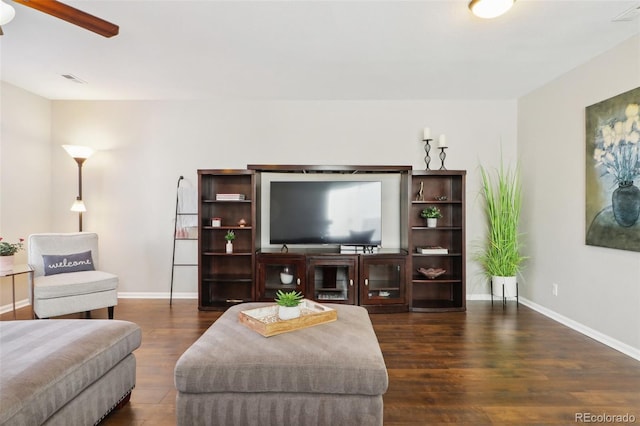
426	134
442	141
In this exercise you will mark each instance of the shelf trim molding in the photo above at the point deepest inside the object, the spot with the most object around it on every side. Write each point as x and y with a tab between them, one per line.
353	169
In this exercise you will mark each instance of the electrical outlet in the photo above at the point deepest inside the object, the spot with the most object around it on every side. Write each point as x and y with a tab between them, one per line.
554	289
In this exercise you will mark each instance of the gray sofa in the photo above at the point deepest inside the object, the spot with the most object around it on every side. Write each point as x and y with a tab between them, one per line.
65	372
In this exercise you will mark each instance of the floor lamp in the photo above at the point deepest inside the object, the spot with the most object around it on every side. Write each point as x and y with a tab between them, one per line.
80	154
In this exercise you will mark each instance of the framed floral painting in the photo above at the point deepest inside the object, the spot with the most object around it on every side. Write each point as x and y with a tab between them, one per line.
613	172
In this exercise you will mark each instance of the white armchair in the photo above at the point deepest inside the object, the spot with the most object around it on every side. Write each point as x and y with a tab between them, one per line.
67	278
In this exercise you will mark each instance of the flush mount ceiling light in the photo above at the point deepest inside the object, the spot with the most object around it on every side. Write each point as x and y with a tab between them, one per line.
490	8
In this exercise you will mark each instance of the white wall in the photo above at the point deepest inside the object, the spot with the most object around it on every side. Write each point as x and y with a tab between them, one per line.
25	173
143	147
598	287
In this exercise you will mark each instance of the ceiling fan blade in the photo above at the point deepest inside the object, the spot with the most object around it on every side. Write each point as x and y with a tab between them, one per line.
73	15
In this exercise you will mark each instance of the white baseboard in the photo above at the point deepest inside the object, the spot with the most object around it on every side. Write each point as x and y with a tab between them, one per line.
164	295
9	307
478	297
574	325
123	295
587	331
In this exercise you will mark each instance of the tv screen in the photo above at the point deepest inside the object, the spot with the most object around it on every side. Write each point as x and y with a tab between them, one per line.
326	212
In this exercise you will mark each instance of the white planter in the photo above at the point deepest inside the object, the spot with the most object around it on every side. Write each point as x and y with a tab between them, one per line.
510	286
288	312
6	263
432	222
229	247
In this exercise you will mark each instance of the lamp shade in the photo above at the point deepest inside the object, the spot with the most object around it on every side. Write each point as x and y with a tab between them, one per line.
490	8
78	206
7	12
77	151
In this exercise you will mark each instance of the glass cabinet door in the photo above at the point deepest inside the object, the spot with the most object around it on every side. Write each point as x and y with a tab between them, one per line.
333	280
286	273
383	280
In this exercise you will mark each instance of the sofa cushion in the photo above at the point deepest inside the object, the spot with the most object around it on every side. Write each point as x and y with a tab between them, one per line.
341	357
67	263
74	283
47	363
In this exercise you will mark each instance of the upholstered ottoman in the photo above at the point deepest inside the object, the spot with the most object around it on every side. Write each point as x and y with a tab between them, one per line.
328	374
65	372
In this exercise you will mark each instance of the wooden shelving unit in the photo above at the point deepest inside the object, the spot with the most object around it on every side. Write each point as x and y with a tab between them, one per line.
224	278
381	282
444	189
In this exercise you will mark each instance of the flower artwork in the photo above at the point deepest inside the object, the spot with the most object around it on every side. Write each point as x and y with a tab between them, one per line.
613	172
617	150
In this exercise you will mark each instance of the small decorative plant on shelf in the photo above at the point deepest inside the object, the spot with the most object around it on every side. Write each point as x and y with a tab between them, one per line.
288	304
432	214
229	237
7	250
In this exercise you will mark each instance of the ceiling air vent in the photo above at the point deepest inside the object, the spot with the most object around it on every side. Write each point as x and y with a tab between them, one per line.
629	14
74	78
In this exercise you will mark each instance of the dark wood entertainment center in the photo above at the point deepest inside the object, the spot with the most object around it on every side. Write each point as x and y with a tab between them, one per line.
381	280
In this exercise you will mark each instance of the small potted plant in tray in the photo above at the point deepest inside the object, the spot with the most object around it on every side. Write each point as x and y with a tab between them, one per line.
432	214
288	304
230	236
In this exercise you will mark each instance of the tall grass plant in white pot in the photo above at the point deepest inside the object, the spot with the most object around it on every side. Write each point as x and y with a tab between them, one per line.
500	254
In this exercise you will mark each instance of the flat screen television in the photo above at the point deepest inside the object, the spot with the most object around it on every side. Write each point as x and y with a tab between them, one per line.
325	212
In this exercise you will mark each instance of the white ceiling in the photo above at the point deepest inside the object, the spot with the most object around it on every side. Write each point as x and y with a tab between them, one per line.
206	49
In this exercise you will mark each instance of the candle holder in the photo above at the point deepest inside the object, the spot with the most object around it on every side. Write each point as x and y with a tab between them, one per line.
443	155
427	148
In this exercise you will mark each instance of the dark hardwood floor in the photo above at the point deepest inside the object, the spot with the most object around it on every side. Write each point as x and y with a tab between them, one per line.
485	366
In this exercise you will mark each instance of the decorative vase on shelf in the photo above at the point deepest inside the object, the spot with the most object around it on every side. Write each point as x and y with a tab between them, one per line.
625	202
229	247
432	222
286	277
6	263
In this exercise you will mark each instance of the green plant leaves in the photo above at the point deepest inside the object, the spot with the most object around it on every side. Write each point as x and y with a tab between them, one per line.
503	202
290	299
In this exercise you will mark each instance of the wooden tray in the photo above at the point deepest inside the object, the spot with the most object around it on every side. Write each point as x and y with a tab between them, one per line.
266	322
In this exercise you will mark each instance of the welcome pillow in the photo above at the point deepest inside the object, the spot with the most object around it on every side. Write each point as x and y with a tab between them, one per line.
60	264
